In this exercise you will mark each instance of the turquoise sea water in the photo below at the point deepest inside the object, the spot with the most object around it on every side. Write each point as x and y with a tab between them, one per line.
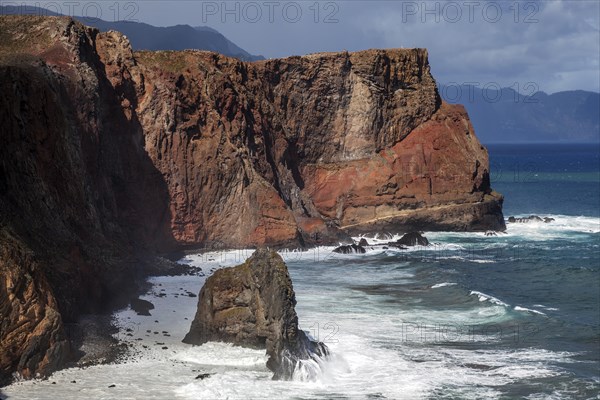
512	316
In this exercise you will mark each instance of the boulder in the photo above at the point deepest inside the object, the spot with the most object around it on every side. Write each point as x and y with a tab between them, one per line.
253	305
350	249
413	239
141	307
363	242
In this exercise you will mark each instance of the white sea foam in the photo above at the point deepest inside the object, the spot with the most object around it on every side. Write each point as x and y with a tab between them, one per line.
486	297
443	284
545	307
464	258
519	308
562	226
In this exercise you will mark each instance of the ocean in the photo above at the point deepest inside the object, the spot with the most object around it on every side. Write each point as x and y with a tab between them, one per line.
511	316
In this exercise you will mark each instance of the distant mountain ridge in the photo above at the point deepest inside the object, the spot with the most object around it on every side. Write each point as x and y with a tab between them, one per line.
143	36
498	116
506	116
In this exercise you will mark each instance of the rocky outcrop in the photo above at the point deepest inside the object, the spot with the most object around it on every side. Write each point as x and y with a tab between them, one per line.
108	154
253	305
141	307
33	339
531	218
413	239
329	145
350	249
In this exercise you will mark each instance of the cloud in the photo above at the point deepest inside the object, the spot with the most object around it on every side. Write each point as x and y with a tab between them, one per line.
555	44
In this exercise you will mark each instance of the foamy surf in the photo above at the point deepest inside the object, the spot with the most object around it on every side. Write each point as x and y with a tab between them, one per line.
486	297
443	284
561	226
399	324
519	308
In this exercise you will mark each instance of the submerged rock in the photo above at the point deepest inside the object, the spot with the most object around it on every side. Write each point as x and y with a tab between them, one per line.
253	305
363	242
531	218
413	239
350	249
141	307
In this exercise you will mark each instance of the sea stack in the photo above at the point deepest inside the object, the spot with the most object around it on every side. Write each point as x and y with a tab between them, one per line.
253	305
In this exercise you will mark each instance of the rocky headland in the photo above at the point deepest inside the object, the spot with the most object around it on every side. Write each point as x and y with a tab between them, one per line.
109	157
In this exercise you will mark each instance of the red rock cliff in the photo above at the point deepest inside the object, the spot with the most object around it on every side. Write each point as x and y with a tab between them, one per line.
107	154
278	151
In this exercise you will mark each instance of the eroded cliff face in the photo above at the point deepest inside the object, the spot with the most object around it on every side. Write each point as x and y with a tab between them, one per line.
290	150
108	154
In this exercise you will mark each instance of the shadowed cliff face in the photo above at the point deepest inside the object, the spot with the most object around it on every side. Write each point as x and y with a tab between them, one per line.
108	154
79	198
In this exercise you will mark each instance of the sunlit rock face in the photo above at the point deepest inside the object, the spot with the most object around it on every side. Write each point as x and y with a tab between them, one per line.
281	151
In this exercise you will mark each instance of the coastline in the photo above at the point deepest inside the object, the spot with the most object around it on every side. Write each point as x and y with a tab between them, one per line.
104	195
207	369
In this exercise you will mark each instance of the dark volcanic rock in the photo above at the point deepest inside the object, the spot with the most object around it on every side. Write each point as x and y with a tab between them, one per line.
413	239
531	218
350	249
253	305
363	242
141	307
32	337
78	199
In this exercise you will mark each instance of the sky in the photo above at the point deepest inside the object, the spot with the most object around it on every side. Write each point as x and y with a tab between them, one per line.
527	45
